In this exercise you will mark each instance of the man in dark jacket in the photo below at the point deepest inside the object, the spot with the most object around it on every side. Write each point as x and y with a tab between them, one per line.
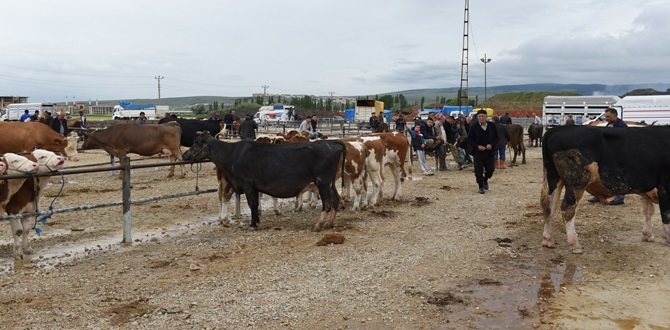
506	119
434	142
613	120
248	128
59	124
482	137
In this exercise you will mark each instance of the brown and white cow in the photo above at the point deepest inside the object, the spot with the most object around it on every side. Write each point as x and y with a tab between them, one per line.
24	137
144	140
397	157
26	199
14	164
374	162
71	148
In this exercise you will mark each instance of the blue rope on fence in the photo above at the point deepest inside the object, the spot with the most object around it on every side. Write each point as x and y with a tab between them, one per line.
43	219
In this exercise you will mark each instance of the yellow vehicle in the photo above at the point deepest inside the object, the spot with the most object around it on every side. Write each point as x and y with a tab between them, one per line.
473	113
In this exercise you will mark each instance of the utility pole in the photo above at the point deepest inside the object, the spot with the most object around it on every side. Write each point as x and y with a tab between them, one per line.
331	101
265	88
485	60
463	99
159	85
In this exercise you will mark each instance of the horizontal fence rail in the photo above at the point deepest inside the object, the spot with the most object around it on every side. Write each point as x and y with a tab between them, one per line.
126	201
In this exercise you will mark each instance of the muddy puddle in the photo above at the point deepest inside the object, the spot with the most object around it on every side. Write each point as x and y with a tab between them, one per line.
518	299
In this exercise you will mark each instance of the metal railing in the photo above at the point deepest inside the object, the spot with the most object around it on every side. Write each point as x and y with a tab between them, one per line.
126	200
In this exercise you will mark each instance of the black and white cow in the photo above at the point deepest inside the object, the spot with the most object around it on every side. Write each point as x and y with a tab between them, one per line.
605	162
281	171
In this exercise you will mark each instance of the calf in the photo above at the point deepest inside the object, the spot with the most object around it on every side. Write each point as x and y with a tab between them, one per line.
605	162
281	171
397	157
26	199
374	162
516	141
144	140
535	132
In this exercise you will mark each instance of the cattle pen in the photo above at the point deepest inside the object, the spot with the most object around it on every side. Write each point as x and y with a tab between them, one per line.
125	202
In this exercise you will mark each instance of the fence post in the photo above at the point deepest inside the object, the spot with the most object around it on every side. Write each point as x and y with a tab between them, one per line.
112	162
237	211
125	187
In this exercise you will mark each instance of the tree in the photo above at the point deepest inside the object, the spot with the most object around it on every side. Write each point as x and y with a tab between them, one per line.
198	109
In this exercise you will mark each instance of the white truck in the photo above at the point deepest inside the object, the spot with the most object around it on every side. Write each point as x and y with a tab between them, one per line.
274	113
555	109
14	111
129	111
647	109
365	109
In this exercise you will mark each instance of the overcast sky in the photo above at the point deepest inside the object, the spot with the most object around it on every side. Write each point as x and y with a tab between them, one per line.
65	49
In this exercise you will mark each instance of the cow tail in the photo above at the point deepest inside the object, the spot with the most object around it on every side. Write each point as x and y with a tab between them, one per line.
344	160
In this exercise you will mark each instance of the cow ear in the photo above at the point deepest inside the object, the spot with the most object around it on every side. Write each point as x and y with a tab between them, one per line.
58	141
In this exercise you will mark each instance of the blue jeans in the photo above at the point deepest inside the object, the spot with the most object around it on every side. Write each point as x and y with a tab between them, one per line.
499	153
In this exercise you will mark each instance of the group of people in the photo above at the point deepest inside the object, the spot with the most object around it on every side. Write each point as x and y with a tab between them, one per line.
436	134
58	123
308	127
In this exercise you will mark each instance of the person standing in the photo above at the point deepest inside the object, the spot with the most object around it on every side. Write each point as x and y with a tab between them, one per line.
84	123
36	116
228	119
482	137
142	119
418	144
499	149
613	120
506	119
400	123
24	116
248	129
569	121
59	124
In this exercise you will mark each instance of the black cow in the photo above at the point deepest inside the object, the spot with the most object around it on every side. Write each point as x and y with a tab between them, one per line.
282	170
189	128
605	162
535	132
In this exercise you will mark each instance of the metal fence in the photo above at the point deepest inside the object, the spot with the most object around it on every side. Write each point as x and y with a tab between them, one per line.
126	200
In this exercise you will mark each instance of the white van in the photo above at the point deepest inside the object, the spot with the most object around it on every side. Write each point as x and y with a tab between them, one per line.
647	109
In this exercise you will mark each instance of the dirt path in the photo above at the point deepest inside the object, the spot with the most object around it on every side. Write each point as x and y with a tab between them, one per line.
444	257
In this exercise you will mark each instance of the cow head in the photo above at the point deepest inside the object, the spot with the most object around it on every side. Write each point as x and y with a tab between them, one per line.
48	160
199	150
17	163
71	148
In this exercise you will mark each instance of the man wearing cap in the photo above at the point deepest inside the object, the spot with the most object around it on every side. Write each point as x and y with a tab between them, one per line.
482	137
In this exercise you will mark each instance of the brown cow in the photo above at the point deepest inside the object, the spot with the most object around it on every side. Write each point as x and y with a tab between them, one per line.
144	140
516	141
24	137
374	162
26	199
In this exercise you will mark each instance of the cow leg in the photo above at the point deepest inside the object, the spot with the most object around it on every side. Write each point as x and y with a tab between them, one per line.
17	231
549	203
523	152
648	211
569	208
326	203
27	225
252	200
275	206
664	205
298	203
398	183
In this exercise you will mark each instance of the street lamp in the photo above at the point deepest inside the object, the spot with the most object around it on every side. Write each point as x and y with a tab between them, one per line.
485	60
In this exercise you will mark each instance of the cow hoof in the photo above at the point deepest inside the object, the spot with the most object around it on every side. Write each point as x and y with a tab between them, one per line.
277	212
317	228
647	238
548	244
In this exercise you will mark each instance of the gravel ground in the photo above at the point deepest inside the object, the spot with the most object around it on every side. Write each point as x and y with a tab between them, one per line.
443	257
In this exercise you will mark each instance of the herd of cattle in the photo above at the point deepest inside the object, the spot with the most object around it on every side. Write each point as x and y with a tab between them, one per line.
604	162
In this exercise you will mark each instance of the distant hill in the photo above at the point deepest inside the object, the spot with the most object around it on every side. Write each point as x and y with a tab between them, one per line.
531	92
